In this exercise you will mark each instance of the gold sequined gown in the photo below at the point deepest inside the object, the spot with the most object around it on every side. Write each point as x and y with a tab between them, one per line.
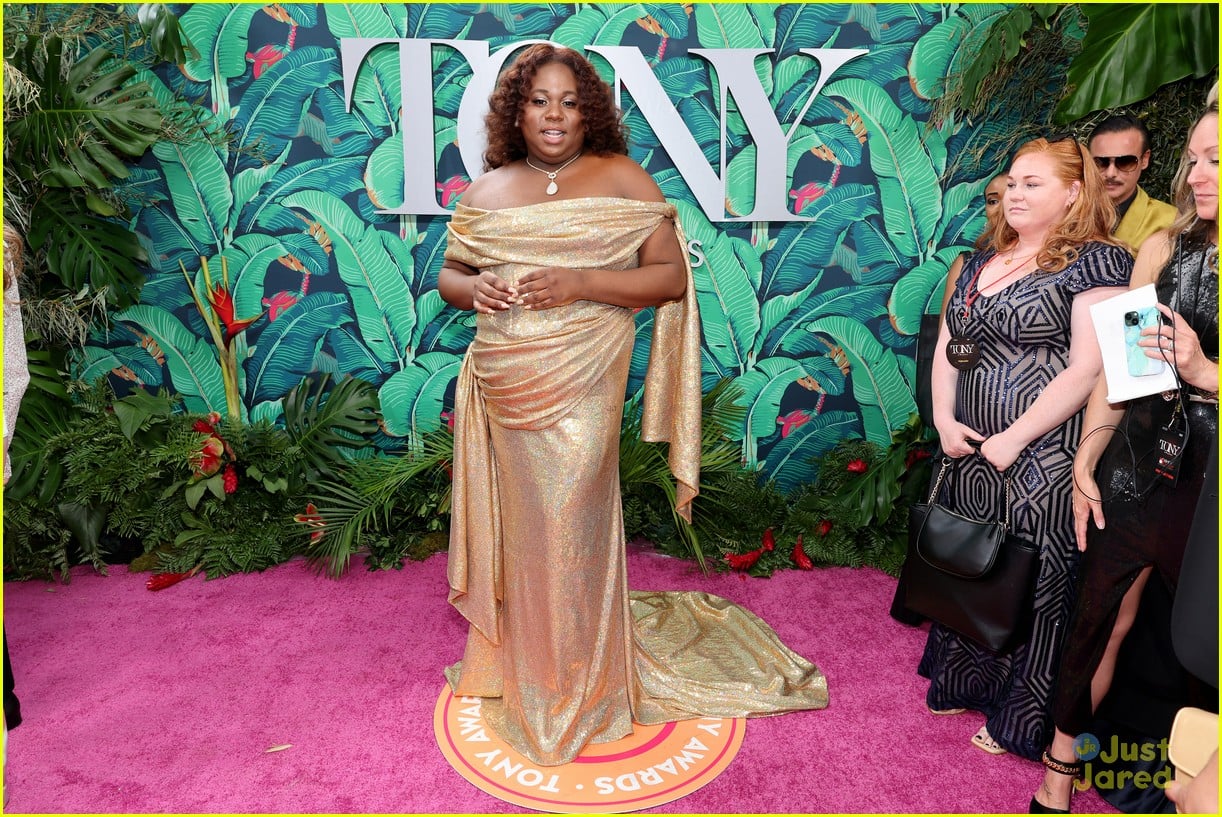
537	559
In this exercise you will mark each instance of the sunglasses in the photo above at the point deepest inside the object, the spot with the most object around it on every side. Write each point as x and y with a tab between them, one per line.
1124	164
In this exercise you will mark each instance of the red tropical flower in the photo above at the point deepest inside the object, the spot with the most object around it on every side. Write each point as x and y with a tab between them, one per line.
744	561
264	58
230	479
278	303
799	556
769	541
312	518
806	193
452	188
222	302
915	455
208	461
794	419
856	467
825	527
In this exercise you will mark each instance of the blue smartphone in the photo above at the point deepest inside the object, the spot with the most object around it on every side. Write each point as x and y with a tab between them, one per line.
1135	321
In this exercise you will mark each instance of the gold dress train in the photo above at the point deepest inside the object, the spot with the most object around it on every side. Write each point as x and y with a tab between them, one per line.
537	558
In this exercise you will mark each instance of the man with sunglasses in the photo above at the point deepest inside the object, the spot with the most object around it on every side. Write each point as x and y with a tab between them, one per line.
1120	146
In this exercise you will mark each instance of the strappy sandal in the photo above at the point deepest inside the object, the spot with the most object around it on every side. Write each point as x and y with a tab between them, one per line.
1073	770
983	740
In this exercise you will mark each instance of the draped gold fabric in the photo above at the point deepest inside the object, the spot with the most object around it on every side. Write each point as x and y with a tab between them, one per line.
537	562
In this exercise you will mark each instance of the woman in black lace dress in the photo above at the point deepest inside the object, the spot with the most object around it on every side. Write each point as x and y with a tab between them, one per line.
1141	520
1025	302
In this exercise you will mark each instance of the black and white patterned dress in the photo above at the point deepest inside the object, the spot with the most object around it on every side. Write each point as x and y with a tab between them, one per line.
1024	335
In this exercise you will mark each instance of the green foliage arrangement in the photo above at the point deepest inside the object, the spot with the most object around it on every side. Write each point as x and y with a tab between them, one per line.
196	491
855	513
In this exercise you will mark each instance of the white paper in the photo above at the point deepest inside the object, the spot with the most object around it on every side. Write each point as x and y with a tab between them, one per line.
1108	318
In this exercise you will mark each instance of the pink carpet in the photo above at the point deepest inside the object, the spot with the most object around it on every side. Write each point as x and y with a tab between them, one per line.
167	702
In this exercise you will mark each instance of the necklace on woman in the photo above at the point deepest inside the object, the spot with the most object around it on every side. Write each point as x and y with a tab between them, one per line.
973	291
551	174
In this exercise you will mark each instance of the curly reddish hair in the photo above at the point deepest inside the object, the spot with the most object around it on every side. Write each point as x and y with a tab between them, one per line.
1089	218
605	132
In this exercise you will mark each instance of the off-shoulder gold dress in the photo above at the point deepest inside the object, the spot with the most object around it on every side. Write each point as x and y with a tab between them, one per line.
537	559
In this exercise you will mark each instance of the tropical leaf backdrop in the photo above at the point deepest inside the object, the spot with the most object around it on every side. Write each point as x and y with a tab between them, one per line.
813	321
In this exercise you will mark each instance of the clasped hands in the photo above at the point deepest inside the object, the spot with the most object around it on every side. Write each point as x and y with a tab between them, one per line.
542	288
959	440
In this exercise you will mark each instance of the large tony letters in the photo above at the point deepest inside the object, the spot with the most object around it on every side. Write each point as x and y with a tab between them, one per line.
735	69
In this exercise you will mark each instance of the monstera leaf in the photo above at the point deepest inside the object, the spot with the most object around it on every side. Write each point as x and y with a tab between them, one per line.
85	251
1130	51
195	372
878	386
413	398
87	117
285	350
790	460
325	424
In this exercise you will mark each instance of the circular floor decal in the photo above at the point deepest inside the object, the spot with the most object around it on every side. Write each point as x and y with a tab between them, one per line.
652	766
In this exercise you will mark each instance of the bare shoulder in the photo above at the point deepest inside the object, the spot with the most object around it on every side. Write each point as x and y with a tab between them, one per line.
484	191
630	180
1152	256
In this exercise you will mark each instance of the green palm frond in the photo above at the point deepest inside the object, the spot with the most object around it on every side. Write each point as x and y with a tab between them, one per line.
326	423
366	500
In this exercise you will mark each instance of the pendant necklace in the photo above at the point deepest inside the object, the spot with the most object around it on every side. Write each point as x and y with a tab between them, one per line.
973	292
551	174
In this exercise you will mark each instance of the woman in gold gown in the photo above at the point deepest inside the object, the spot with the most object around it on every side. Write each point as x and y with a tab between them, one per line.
554	248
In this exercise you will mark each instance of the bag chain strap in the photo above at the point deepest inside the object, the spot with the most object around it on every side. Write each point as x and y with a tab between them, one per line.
937	485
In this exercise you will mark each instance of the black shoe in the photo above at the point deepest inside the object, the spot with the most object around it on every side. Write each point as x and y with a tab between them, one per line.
1037	807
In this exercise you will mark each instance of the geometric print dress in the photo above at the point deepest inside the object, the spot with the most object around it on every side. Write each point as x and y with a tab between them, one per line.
1023	333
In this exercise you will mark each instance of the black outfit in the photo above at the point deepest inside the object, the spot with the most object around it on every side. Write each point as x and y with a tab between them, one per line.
1148	519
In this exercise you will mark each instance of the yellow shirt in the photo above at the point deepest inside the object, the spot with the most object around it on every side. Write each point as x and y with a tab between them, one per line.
1144	218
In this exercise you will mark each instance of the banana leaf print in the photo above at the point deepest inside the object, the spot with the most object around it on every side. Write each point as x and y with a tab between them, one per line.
601	23
274	105
266	211
791	461
286	348
377	92
920	292
801	25
729	308
817	316
199	190
195	372
881	391
417	393
380	296
908	184
220	33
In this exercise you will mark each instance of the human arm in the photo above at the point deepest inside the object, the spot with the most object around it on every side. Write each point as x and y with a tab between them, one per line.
1064	395
16	367
952	434
661	275
952	278
465	287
